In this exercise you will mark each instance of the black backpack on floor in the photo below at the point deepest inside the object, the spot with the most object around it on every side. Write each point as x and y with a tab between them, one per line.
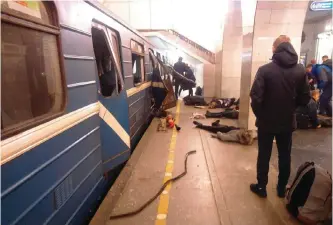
309	197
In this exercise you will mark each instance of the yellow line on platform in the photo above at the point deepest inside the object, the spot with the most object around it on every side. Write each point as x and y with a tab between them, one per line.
163	205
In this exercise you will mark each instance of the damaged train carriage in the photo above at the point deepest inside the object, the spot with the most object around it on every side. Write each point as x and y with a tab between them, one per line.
75	101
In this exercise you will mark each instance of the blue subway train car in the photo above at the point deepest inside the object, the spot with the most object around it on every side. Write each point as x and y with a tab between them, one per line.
75	100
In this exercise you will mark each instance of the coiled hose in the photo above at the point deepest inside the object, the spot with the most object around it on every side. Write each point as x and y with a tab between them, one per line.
134	212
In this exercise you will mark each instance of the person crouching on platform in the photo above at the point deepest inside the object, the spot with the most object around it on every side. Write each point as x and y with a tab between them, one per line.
279	87
310	111
180	68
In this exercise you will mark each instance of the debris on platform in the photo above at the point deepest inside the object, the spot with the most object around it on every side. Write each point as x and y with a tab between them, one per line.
159	113
162	126
198	116
200	107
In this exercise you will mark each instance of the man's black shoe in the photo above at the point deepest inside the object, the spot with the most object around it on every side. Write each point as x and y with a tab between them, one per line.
216	123
281	192
208	114
260	191
197	123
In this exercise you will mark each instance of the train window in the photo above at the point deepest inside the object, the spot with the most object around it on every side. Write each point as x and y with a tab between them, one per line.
32	88
116	49
107	61
137	62
36	11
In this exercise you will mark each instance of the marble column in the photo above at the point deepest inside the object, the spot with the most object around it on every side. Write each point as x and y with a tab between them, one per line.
228	60
272	18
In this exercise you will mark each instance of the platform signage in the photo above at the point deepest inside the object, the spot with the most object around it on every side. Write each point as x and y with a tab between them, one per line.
321	6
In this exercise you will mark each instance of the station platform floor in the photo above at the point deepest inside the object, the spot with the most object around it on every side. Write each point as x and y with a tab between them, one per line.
215	189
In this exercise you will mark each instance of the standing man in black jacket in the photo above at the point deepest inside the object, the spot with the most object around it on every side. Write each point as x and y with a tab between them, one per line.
278	89
179	67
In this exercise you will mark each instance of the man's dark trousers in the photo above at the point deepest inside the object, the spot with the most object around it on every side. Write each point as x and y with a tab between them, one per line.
177	85
265	142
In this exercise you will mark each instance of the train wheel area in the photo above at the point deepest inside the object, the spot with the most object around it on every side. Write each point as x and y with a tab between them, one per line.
215	189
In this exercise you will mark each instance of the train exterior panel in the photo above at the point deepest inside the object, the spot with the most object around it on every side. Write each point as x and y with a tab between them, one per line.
56	169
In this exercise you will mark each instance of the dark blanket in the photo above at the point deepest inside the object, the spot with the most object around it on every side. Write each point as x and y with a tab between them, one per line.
194	100
230	114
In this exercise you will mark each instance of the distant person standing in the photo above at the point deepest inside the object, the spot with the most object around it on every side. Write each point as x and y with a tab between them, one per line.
180	68
324	76
185	85
313	62
314	66
278	89
189	75
324	58
311	78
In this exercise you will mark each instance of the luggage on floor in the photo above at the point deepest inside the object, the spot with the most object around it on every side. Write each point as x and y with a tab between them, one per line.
309	197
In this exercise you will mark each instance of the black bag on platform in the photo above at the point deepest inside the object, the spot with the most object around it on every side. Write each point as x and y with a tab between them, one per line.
309	197
195	100
198	91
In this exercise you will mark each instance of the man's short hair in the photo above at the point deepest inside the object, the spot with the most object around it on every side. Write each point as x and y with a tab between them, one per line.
280	39
309	65
325	56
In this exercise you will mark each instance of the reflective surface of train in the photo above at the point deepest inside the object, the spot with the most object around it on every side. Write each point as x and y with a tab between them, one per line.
75	100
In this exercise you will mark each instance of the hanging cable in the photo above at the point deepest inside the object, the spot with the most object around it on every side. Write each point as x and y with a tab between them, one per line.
134	212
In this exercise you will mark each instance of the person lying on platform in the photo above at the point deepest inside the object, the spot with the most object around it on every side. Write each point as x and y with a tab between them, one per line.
308	113
222	103
244	137
215	127
228	113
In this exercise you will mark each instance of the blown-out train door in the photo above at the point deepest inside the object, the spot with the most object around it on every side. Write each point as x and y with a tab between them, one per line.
112	97
170	100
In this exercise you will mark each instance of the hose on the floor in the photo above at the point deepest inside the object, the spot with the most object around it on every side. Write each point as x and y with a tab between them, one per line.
134	212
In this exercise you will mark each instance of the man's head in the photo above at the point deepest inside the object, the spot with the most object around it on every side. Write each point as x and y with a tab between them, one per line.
313	61
308	68
324	58
180	59
279	40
